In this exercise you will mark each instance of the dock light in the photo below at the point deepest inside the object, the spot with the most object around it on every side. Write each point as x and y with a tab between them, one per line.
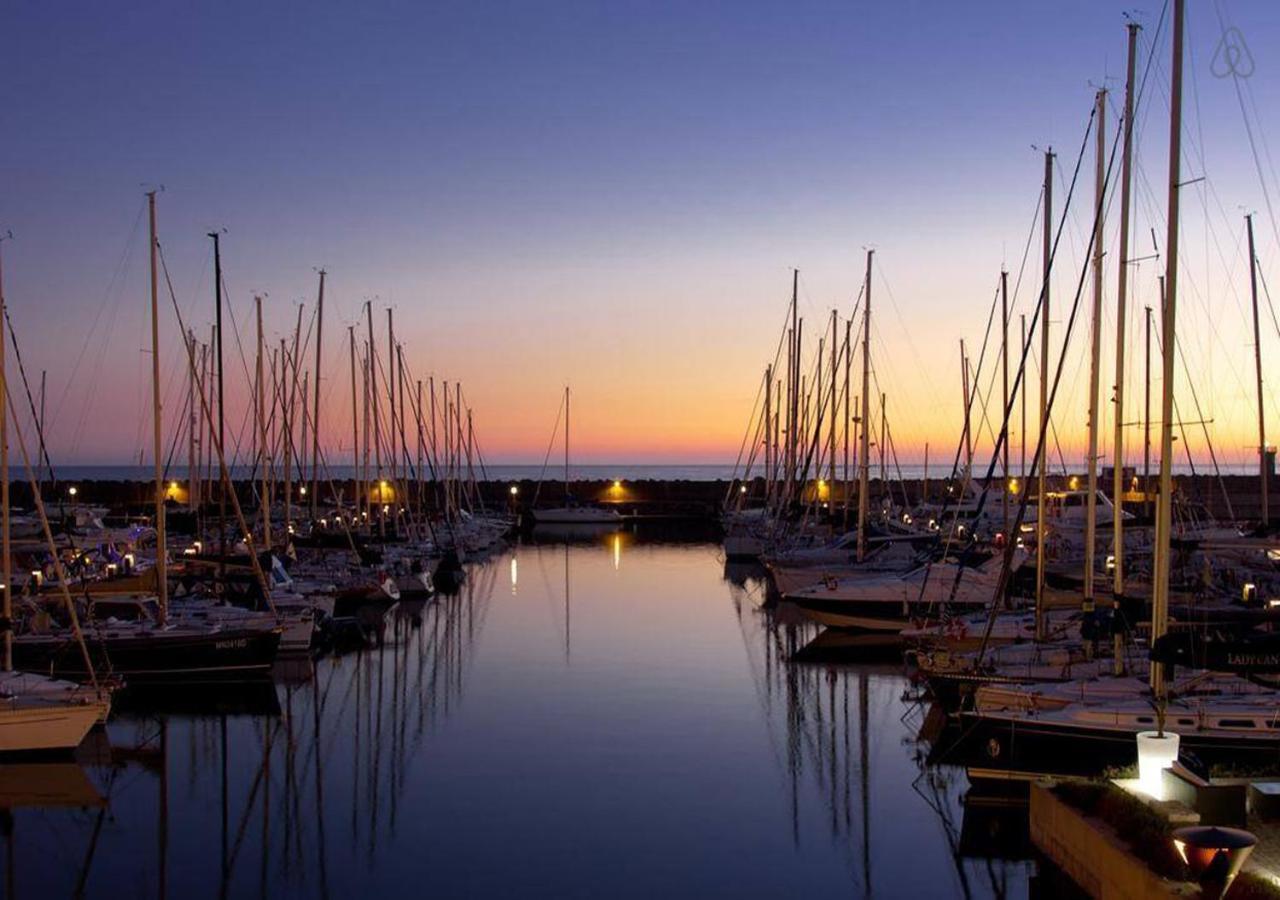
128	561
906	518
1273	603
303	490
1111	564
513	490
1157	751
37	576
324	523
1074	483
197	545
386	509
933	524
1013	485
960	531
1249	593
189	551
1214	854
617	485
291	528
72	491
112	568
742	489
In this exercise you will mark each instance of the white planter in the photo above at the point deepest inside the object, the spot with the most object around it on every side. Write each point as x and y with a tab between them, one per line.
1156	752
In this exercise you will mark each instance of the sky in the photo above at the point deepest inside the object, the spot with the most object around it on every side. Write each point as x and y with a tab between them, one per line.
612	196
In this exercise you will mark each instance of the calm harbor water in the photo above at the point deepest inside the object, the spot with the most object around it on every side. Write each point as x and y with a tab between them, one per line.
616	716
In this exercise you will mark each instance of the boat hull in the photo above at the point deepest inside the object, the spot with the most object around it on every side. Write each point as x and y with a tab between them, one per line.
154	655
47	726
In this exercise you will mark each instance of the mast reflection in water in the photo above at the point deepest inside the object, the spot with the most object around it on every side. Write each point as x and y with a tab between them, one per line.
593	715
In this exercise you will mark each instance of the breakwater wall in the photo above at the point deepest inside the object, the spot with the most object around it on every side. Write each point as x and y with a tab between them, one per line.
1231	496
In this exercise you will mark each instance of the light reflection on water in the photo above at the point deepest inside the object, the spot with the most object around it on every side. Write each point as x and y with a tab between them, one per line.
610	717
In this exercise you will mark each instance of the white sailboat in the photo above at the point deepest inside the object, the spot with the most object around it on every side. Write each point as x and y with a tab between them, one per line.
571	513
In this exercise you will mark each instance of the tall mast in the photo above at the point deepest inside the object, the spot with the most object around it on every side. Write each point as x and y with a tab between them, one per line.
1146	407
1257	363
422	477
768	416
864	451
222	489
1169	343
377	437
193	419
968	418
1095	354
391	391
1042	485
1122	297
1022	396
264	450
1004	375
794	391
315	409
162	579
355	421
5	547
831	430
404	446
848	362
566	441
286	435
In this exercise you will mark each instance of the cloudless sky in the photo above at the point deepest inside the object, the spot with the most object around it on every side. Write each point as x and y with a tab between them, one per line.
610	195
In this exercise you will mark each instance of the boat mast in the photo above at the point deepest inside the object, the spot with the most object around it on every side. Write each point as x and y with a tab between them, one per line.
5	547
794	377
1095	356
391	393
162	575
422	475
1022	394
848	362
1257	362
1122	296
315	414
831	430
355	420
222	490
964	398
566	442
264	451
1004	370
864	451
286	435
193	473
1146	415
1168	340
1042	483
768	417
377	437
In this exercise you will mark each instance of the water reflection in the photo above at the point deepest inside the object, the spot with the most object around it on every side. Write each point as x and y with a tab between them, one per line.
845	724
607	714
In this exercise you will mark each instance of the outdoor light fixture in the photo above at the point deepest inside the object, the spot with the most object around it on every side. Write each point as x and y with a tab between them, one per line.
1214	854
1157	751
1249	593
514	490
72	491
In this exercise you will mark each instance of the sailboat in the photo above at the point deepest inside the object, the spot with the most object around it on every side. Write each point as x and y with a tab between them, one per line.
571	513
36	712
